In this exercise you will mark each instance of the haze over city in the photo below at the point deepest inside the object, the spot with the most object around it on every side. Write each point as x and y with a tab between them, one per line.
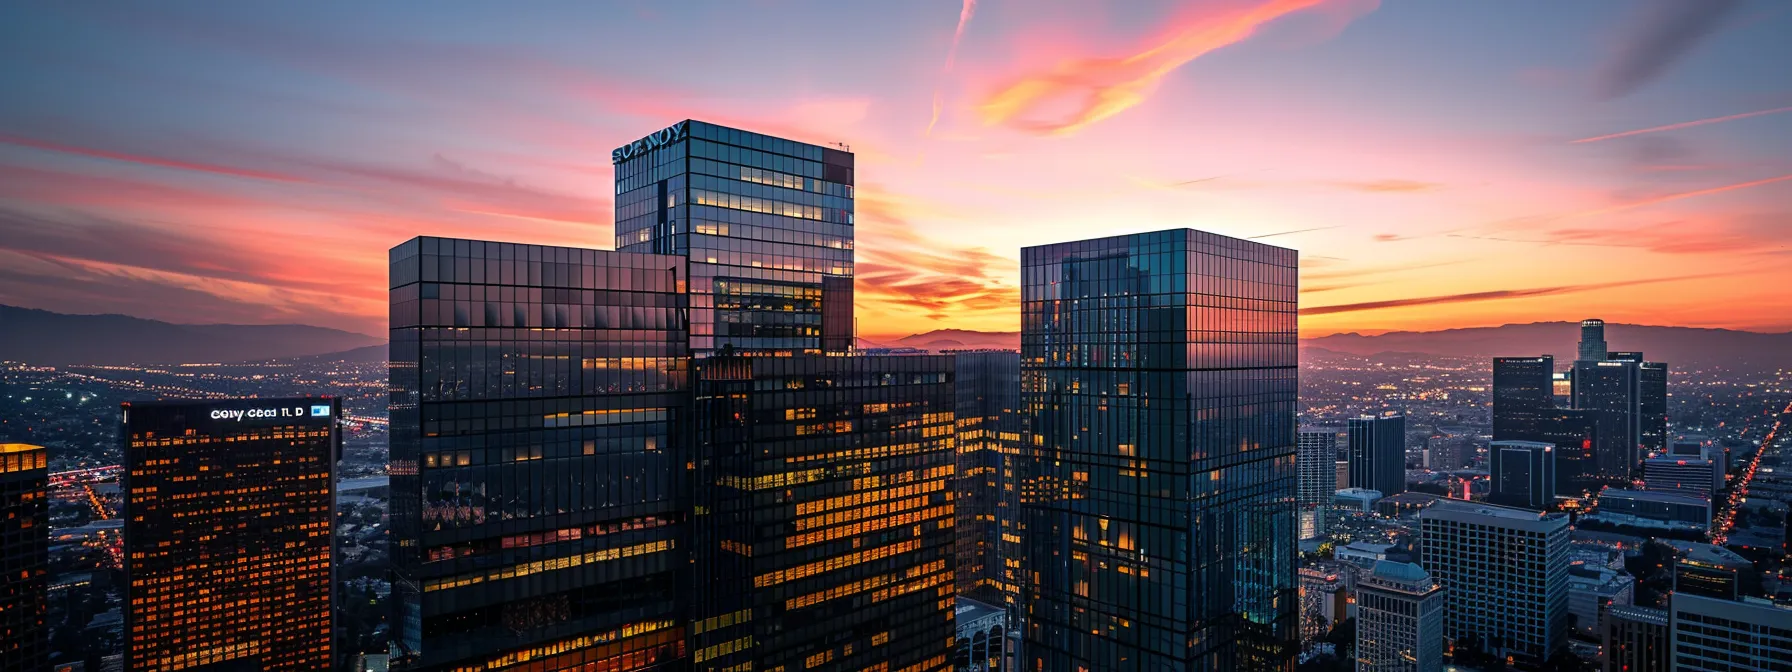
1438	165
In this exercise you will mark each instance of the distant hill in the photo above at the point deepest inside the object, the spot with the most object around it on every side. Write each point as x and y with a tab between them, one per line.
958	339
1678	346
46	338
371	354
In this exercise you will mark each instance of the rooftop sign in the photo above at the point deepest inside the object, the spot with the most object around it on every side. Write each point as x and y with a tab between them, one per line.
653	141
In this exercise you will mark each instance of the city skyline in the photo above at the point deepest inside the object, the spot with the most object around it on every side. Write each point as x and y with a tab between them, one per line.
1543	167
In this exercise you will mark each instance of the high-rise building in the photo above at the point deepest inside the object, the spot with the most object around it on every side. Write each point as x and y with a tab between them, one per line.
1316	460
1653	405
539	497
1696	476
823	535
1592	341
1675	508
1612	390
1504	573
1575	434
1636	639
1523	397
1399	620
1712	634
1158	385
1450	448
230	514
1592	591
767	224
1324	597
988	436
1378	453
1523	474
24	558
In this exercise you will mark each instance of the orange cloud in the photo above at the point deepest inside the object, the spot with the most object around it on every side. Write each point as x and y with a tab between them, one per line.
1489	296
149	160
1097	88
1387	186
1683	124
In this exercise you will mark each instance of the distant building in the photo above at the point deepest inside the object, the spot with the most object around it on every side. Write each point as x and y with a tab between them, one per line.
1575	434
1405	504
1522	397
1360	500
1362	554
1592	341
1612	391
1665	507
1713	634
1399	620
1701	446
1592	589
988	431
1635	639
1713	571
1343	474
1694	476
1378	453
1450	448
1316	461
1504	573
1653	405
1523	473
1324	597
230	513
24	558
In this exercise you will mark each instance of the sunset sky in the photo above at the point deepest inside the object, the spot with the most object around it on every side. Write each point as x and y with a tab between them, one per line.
1437	163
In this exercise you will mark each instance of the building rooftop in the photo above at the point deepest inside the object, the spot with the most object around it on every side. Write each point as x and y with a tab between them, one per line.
1402	576
1470	512
1709	554
1663	496
1648	615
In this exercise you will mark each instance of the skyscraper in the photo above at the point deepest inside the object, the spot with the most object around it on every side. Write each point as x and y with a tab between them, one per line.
1316	461
1592	341
766	222
1611	391
1653	405
1158	385
1400	620
1504	573
1523	397
1378	453
988	435
1636	640
823	534
1575	434
24	558
1523	474
230	513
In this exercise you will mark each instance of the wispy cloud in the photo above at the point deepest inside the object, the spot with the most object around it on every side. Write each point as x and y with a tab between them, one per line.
1683	124
142	160
1745	234
1290	233
965	12
1658	36
1490	296
1673	197
1083	91
1390	186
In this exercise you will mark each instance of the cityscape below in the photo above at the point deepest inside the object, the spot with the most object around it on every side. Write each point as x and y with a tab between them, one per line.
678	454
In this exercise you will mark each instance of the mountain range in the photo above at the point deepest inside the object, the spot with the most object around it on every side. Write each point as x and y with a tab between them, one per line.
1680	347
54	339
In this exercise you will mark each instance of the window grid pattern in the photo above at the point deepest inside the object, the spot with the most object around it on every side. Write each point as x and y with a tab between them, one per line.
24	558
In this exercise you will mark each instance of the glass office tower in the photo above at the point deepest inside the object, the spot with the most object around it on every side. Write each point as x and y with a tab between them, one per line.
1611	391
1523	474
230	514
538	490
1378	453
1523	395
1652	402
1575	434
1158	383
988	437
24	558
766	222
823	534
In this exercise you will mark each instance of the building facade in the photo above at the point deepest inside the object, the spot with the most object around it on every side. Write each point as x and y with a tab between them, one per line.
1316	461
1713	634
1611	391
1523	474
1159	494
1592	591
1635	639
1523	397
823	535
988	437
1690	475
1504	573
230	514
1399	620
1378	453
1592	341
767	224
539	495
24	558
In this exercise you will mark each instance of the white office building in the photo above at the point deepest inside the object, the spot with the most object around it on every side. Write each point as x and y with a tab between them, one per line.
1399	620
1316	461
1504	573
